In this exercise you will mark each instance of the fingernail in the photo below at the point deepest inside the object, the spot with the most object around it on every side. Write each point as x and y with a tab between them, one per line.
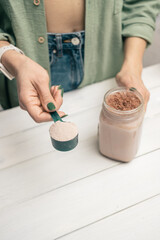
62	91
64	116
132	89
59	87
51	106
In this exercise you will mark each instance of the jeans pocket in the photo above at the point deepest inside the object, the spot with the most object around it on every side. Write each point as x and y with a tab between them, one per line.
117	6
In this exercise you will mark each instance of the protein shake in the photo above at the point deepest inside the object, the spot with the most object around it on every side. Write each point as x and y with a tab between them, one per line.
120	124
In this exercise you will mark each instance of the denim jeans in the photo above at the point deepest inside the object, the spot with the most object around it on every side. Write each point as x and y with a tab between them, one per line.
66	55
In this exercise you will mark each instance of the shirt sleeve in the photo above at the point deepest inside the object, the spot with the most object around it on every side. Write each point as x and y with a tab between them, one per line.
6	32
138	18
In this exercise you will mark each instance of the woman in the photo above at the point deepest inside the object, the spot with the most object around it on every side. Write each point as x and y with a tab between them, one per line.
115	37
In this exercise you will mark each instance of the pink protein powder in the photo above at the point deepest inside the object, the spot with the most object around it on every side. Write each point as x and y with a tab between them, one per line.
63	131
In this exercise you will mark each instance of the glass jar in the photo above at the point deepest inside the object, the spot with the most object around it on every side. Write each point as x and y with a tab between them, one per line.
120	131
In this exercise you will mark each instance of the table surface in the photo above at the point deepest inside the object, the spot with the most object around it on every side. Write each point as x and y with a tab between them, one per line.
79	195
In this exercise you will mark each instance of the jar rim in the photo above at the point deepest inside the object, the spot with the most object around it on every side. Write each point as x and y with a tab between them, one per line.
127	112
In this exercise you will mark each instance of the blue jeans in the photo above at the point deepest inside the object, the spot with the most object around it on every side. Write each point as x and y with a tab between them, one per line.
66	55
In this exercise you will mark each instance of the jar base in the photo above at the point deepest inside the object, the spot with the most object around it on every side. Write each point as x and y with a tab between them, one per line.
116	159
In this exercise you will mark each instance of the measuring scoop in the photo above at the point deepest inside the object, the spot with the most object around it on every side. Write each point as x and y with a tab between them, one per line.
64	135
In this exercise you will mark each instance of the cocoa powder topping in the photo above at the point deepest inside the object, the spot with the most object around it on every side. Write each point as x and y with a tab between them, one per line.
123	101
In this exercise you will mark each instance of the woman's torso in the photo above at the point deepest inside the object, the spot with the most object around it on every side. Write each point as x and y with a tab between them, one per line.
65	16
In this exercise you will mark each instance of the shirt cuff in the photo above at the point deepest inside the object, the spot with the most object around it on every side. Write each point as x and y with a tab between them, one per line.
141	30
7	37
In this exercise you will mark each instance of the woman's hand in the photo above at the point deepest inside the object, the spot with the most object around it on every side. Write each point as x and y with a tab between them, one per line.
33	87
130	76
131	71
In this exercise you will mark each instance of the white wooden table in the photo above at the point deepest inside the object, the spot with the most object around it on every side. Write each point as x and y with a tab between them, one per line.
79	195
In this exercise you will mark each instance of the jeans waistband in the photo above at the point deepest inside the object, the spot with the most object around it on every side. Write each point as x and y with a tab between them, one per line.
62	38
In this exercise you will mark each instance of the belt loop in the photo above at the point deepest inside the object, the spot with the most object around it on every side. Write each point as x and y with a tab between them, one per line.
59	45
80	37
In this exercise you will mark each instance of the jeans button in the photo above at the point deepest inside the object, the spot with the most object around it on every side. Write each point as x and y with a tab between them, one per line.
75	41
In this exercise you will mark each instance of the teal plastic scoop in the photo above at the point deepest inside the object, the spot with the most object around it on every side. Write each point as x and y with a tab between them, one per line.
64	135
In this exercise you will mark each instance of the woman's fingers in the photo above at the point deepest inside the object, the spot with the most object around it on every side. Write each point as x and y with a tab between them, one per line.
38	114
48	102
62	114
130	81
57	94
34	92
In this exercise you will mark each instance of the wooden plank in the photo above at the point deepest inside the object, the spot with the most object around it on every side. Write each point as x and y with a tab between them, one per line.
85	98
15	120
81	203
153	107
150	76
141	221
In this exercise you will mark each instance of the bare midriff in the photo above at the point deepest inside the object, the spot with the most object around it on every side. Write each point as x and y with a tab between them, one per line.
65	16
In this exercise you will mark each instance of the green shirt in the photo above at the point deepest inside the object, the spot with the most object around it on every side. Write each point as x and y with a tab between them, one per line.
22	23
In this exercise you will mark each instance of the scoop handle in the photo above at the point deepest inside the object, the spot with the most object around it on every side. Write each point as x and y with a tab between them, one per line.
55	116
